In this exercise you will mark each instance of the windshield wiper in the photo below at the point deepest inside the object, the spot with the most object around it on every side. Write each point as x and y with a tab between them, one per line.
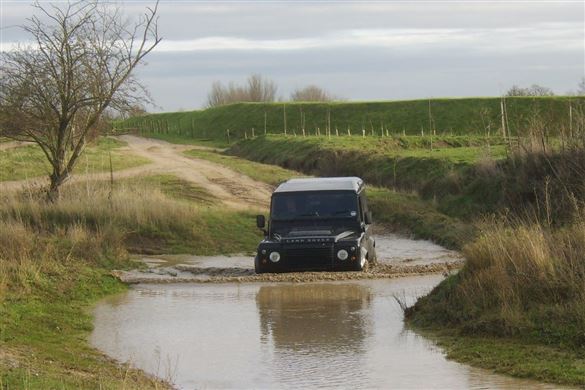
313	214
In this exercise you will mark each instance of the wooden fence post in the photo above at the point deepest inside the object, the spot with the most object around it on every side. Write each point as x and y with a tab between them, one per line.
284	113
570	120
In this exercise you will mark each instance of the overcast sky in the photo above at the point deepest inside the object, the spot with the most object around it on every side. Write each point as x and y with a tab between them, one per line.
357	50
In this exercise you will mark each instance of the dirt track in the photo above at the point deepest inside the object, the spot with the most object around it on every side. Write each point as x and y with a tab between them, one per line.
233	189
13	144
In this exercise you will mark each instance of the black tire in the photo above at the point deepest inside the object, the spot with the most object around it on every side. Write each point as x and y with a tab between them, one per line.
358	266
257	266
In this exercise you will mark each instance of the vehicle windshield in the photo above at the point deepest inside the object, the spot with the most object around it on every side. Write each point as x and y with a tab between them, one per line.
301	205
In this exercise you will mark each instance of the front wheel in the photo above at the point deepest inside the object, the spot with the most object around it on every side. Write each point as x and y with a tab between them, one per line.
257	266
361	265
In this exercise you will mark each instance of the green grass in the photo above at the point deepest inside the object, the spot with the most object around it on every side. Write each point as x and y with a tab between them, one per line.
513	357
409	214
450	116
48	281
446	175
464	177
45	335
26	162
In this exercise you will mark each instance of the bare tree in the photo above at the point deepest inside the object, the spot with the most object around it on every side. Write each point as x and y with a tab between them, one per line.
54	91
533	90
216	97
311	93
258	89
261	89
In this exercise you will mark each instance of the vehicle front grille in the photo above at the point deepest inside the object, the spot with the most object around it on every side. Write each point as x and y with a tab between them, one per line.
307	257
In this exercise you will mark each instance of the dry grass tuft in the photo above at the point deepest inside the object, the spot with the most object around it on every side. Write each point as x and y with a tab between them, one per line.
523	279
89	222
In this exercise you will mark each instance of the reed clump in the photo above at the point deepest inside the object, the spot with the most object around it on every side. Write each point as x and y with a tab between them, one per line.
523	278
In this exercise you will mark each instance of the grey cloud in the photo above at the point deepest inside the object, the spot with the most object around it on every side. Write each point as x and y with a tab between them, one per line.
470	48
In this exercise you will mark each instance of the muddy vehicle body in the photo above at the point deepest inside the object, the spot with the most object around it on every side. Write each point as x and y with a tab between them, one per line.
320	224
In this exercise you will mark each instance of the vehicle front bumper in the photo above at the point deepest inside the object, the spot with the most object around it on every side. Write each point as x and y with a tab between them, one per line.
315	257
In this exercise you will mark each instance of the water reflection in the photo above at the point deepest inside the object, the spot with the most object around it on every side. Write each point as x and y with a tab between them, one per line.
315	330
324	317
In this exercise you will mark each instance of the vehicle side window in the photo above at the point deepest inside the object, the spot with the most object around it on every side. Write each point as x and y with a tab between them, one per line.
361	208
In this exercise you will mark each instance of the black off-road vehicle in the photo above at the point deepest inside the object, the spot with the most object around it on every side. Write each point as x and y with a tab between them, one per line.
317	224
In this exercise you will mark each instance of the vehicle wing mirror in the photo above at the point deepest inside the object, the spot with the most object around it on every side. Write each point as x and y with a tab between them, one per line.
368	218
260	221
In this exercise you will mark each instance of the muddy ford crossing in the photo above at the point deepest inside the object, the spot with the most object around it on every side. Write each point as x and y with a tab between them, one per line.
317	224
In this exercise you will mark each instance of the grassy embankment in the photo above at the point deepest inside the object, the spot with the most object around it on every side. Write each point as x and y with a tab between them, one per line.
409	164
478	116
55	261
517	307
26	162
402	211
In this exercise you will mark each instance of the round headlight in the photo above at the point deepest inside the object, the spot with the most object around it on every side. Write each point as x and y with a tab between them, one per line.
342	254
274	257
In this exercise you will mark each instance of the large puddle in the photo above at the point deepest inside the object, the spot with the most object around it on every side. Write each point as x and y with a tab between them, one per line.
282	335
345	333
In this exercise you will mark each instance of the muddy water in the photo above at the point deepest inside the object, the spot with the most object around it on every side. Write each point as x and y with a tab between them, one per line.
396	249
281	335
397	256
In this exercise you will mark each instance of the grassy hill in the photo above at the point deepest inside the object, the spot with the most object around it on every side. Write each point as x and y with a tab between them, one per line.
480	116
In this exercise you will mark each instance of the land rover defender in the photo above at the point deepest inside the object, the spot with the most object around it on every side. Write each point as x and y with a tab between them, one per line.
317	224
